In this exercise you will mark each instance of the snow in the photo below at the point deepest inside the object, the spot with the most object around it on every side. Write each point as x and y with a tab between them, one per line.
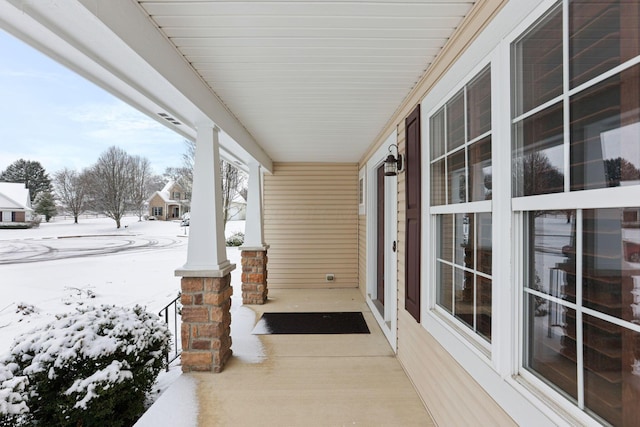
61	266
176	407
115	373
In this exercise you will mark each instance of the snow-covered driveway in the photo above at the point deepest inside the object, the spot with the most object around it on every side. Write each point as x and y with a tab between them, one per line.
50	248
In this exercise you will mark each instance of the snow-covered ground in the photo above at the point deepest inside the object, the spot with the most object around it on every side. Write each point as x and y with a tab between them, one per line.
60	265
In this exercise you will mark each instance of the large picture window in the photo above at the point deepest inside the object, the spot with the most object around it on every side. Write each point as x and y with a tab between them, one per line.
460	141
576	128
582	307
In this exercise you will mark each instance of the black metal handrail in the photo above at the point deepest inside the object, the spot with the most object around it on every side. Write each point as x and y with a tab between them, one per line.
173	307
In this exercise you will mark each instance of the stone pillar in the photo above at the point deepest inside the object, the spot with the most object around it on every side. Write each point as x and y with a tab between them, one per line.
254	250
206	278
254	276
206	323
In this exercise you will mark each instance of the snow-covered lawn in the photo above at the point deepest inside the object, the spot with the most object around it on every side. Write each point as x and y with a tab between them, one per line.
60	265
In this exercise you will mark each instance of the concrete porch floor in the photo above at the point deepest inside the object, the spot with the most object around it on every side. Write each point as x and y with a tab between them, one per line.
312	380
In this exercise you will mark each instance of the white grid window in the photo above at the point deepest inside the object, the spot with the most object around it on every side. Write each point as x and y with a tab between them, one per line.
576	166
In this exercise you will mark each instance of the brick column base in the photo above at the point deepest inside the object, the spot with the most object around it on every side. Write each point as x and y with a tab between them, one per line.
254	276
206	323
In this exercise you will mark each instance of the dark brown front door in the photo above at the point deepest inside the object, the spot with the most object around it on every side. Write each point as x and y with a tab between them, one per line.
412	248
380	234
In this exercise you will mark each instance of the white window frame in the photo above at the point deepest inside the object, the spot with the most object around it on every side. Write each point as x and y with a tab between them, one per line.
527	400
362	191
475	342
615	197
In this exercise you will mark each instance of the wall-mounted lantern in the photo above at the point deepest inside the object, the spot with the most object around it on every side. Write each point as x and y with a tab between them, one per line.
393	165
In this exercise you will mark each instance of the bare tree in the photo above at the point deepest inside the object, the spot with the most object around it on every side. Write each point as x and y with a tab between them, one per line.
71	189
140	175
111	183
233	180
534	174
156	183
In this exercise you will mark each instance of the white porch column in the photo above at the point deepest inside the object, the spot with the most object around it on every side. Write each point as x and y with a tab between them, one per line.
206	253
254	233
254	250
206	277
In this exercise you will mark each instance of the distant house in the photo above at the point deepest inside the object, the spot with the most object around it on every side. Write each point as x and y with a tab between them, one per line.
15	204
168	203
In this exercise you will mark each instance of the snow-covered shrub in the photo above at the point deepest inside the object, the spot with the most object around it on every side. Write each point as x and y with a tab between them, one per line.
92	367
13	406
236	239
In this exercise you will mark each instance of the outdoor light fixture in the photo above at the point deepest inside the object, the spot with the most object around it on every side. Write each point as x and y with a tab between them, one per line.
393	166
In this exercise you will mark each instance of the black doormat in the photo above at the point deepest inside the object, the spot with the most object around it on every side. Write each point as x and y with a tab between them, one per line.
311	323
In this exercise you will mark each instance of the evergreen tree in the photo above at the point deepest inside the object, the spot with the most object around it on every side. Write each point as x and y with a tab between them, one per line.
29	172
46	205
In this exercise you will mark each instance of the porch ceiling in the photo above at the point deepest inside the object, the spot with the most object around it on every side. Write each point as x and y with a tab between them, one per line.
310	80
286	80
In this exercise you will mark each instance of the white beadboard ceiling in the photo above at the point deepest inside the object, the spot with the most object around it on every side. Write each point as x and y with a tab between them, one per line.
310	80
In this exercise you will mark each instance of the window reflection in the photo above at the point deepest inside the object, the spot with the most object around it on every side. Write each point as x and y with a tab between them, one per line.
455	122
463	268
483	313
605	133
457	181
551	254
484	251
480	177
550	355
609	285
444	278
479	105
438	183
538	153
603	34
437	135
464	240
537	62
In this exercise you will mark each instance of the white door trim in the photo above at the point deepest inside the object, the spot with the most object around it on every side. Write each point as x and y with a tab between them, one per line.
388	320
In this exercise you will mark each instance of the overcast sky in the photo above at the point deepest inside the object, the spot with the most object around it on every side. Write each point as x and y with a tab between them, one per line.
51	115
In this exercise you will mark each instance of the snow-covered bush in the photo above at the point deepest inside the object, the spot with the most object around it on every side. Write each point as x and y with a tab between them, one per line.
92	367
236	239
12	396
